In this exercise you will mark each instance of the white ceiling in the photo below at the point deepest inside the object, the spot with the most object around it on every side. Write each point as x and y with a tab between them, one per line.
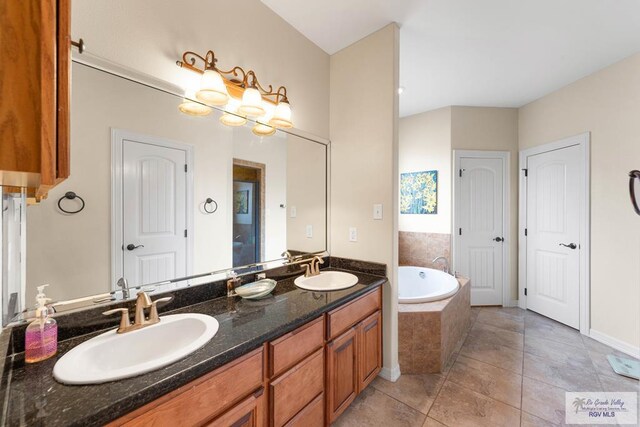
499	53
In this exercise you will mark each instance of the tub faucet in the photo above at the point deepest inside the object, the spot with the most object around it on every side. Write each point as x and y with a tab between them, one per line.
445	263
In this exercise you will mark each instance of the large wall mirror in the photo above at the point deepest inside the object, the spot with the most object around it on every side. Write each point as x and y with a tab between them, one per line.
168	195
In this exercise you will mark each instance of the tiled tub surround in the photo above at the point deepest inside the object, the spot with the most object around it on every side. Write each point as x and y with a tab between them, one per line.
30	395
429	332
419	249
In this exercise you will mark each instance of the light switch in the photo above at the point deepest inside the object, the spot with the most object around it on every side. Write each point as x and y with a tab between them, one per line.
353	234
309	232
377	211
293	212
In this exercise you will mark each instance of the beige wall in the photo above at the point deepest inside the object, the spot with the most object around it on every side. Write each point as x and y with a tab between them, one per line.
425	144
607	104
364	134
493	129
306	191
150	35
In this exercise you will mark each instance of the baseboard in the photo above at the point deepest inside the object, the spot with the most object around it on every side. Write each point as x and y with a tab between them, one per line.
615	343
512	303
390	374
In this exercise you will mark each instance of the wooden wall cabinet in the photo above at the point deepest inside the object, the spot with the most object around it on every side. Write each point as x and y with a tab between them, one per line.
35	50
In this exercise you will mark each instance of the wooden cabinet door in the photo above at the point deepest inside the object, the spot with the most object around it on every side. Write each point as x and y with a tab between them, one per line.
34	112
342	373
369	333
248	413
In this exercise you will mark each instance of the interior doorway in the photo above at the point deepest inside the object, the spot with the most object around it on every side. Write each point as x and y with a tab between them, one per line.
481	224
554	228
151	208
248	212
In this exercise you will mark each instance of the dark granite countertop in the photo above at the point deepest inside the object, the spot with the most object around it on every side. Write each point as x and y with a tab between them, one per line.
32	397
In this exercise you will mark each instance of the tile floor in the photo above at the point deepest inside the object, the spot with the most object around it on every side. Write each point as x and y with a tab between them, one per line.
511	369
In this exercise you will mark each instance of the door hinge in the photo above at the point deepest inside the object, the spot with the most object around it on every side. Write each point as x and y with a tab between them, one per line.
525	231
526	172
185	233
186	167
460	173
525	292
459	231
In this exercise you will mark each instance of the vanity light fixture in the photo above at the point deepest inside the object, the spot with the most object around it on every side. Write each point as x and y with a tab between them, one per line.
239	92
193	108
231	117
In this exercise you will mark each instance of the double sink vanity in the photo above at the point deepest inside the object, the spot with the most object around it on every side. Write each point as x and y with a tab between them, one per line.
295	357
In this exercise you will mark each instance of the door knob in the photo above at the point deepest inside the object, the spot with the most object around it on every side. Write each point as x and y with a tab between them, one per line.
131	246
498	239
570	245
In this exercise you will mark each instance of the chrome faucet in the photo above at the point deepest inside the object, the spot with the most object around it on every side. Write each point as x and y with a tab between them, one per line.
313	268
140	321
122	283
445	263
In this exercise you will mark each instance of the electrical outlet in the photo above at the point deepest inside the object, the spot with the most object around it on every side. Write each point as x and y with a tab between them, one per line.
293	212
377	211
309	231
353	234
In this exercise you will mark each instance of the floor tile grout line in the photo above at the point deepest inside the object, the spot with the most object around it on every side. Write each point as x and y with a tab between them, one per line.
490	397
453	362
400	401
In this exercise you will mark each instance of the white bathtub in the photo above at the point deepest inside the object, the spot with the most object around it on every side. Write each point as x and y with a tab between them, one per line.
418	284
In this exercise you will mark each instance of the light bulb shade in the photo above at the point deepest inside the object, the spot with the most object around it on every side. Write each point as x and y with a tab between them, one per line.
231	119
251	103
282	116
263	130
212	89
193	108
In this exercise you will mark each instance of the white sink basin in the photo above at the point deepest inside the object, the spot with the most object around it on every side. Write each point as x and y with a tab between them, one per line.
327	281
112	356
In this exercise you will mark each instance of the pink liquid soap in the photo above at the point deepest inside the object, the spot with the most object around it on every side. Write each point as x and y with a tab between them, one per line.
41	341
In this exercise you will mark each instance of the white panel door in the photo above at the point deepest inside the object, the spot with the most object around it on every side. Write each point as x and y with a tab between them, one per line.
553	234
154	213
480	238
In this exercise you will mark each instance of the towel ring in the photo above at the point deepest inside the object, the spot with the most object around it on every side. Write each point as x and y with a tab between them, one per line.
70	195
208	202
633	175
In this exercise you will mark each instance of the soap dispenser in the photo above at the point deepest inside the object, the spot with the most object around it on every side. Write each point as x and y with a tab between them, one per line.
41	338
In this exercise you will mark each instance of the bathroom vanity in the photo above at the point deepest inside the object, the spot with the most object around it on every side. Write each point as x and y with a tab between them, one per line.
294	358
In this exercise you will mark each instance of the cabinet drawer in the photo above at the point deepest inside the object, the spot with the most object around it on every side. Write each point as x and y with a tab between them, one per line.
248	413
341	319
311	416
291	348
296	388
204	398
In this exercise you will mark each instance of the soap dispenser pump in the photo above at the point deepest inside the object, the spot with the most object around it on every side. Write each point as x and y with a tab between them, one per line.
41	338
